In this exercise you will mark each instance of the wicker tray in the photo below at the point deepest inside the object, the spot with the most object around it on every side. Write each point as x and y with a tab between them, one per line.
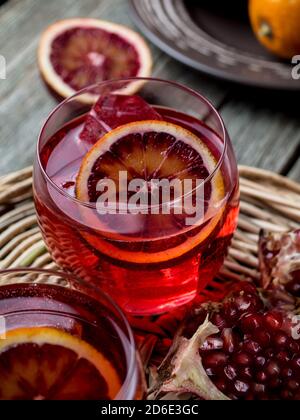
268	201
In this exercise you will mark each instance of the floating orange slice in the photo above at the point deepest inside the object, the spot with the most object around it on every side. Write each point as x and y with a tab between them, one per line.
76	53
47	363
151	150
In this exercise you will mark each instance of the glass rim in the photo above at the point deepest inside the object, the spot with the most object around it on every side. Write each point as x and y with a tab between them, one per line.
83	91
132	370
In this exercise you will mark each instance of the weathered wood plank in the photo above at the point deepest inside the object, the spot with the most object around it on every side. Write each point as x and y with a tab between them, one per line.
169	69
264	128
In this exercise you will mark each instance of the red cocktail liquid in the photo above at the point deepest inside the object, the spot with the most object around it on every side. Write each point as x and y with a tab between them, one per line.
60	344
140	287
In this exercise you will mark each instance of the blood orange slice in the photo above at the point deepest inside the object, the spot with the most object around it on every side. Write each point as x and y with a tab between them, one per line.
77	53
47	363
151	150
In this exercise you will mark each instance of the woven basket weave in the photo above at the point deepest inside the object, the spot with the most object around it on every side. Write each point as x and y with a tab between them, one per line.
268	201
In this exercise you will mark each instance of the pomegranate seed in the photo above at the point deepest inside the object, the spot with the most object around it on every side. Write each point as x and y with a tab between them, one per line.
261	377
251	322
212	343
246	373
260	361
259	388
231	313
293	385
269	353
221	385
230	372
282	357
219	321
251	347
273	321
294	346
209	372
243	303
275	383
272	368
296	363
243	359
241	387
214	360
280	340
286	373
262	337
286	394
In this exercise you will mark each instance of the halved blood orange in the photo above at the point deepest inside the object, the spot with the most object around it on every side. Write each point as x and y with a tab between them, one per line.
47	363
77	53
151	150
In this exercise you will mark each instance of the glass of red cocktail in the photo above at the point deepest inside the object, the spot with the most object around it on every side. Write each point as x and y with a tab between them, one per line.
138	193
62	340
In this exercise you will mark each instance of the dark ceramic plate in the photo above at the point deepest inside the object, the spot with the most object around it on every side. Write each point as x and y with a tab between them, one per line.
214	38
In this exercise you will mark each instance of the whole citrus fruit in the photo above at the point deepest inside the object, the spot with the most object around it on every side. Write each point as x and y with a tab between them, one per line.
276	24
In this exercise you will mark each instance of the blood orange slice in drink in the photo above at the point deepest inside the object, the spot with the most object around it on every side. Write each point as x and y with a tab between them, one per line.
150	151
47	363
77	53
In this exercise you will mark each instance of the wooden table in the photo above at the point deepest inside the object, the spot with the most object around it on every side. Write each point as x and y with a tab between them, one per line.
264	126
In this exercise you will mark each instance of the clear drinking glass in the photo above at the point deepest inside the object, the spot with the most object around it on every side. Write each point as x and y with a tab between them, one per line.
148	262
61	310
